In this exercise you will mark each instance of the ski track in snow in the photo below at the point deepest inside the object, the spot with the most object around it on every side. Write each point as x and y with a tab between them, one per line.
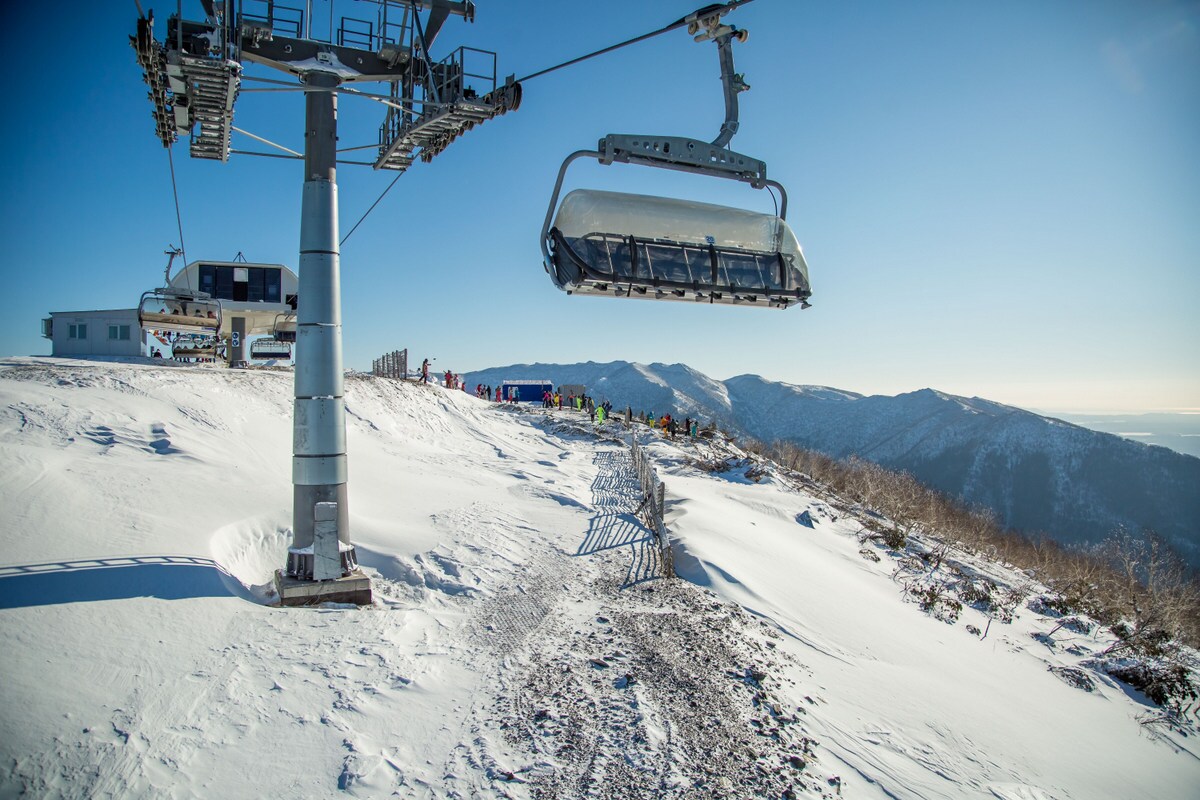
522	643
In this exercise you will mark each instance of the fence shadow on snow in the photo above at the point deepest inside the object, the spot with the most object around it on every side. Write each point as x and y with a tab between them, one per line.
118	578
616	495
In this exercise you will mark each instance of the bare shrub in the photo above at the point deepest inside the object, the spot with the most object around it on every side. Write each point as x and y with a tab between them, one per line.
1167	682
1135	584
1150	596
933	599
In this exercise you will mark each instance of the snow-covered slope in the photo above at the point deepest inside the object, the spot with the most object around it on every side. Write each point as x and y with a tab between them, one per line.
522	643
1040	475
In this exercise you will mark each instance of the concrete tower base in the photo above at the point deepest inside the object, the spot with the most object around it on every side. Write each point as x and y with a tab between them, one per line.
353	588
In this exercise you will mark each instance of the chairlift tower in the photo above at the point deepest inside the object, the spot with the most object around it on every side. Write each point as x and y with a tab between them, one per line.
195	75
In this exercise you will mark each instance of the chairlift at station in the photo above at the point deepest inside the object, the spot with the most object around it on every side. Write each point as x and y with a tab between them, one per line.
194	346
180	310
628	245
268	348
284	329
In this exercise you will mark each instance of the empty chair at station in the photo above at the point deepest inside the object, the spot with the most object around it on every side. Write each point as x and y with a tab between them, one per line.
270	348
285	328
630	245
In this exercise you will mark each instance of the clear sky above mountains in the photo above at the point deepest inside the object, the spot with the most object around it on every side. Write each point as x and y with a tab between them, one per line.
994	200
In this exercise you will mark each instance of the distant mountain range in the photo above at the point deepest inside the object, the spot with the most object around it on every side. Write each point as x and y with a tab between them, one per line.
1039	474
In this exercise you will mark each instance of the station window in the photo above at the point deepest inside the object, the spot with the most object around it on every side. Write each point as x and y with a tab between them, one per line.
255	285
77	331
224	283
208	279
272	285
118	332
242	284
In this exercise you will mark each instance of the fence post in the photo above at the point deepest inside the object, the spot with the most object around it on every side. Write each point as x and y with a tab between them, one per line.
660	508
391	365
653	503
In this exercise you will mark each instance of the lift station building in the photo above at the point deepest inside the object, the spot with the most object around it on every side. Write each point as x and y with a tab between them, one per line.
255	299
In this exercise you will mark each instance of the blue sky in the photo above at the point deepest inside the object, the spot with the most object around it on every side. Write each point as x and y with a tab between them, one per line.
999	200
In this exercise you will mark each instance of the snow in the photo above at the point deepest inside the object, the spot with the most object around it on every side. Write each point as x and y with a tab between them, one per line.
521	644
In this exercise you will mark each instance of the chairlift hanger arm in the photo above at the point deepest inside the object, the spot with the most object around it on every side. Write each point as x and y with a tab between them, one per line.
547	260
732	85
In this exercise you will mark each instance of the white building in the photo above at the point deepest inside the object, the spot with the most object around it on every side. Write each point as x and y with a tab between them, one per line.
94	333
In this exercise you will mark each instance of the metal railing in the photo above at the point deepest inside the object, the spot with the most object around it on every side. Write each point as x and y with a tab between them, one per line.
391	365
392	24
650	510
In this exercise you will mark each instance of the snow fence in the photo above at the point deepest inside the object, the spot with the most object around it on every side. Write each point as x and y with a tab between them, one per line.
650	510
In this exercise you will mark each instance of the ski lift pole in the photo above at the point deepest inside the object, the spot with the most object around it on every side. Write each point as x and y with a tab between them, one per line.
319	471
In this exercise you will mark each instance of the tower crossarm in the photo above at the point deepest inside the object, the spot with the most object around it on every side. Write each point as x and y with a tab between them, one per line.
193	84
406	135
152	58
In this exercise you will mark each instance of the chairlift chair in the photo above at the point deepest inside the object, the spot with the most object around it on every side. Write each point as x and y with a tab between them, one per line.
284	329
194	346
657	248
181	310
177	309
265	348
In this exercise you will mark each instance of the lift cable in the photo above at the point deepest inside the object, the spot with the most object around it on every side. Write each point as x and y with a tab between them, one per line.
679	23
178	216
369	210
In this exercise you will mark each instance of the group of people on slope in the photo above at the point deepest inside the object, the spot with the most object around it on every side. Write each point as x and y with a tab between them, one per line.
482	391
451	381
487	393
670	426
581	403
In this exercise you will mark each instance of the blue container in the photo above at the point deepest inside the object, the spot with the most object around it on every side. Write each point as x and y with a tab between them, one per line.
526	391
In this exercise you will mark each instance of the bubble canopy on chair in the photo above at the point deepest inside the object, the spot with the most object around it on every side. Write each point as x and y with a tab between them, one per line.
632	245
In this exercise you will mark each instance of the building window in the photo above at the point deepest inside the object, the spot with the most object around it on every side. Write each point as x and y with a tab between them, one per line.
118	332
242	284
255	286
77	331
272	285
208	279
